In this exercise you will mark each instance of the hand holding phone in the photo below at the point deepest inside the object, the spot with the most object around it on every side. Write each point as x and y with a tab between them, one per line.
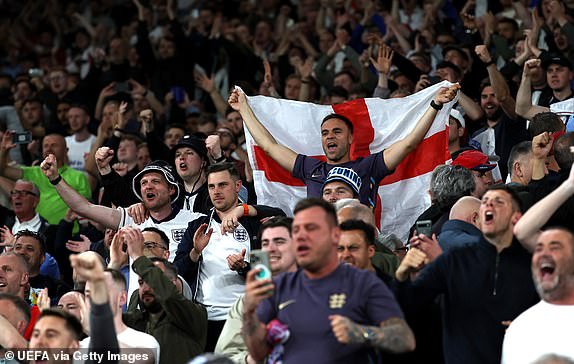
259	259
424	227
22	138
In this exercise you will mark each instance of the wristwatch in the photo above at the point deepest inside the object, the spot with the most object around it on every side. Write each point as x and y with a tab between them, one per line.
368	335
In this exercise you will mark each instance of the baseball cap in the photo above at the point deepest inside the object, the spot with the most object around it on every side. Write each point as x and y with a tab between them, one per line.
158	166
193	142
474	160
558	59
345	175
458	116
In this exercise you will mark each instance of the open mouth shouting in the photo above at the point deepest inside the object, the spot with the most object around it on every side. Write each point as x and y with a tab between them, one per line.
488	217
331	147
303	250
546	270
150	196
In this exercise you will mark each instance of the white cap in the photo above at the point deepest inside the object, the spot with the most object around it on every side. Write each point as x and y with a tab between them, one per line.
458	116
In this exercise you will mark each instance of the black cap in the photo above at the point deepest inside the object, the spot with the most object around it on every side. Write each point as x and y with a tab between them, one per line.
193	142
555	58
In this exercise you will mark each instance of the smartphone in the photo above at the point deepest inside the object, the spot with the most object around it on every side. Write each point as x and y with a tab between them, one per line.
24	137
35	72
259	259
424	227
178	94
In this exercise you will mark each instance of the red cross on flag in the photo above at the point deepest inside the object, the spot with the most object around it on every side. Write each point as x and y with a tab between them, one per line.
378	123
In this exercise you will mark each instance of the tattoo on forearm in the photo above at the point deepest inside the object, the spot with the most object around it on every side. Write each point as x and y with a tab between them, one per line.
394	336
250	324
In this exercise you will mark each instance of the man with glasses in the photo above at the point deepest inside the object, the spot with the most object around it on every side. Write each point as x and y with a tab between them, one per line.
156	244
24	199
50	206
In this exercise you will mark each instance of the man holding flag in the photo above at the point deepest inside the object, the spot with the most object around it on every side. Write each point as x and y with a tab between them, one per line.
337	137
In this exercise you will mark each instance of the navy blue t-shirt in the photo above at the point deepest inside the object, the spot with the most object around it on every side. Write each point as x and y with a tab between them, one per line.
313	172
305	305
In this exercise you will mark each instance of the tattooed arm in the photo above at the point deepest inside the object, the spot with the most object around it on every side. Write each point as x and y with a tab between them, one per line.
393	335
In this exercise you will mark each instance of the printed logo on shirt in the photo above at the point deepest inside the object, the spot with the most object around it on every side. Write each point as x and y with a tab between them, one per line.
337	301
282	305
177	234
240	234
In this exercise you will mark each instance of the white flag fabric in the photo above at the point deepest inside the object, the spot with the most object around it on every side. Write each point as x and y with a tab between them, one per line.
378	123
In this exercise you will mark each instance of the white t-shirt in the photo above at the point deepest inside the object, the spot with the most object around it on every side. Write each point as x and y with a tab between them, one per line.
132	339
542	329
219	287
78	151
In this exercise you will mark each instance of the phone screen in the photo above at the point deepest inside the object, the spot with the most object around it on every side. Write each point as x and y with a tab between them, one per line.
22	138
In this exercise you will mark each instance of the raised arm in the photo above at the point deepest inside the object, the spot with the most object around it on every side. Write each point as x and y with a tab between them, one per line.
394	154
7	171
528	227
281	154
524	105
499	84
106	216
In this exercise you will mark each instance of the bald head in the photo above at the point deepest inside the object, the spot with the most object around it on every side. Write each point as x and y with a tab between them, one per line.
466	209
355	211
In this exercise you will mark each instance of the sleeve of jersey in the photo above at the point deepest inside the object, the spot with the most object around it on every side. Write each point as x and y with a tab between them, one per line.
375	164
126	219
381	305
303	164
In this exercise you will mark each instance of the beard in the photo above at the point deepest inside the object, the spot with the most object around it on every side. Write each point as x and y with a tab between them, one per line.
153	306
495	115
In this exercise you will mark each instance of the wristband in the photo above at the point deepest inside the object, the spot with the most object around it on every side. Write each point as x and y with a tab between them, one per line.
245	209
220	159
487	64
435	106
56	181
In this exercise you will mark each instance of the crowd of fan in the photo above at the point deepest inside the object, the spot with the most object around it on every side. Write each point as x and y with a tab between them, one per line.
123	147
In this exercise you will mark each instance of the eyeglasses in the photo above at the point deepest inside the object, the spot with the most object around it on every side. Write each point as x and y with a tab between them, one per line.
153	245
21	193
